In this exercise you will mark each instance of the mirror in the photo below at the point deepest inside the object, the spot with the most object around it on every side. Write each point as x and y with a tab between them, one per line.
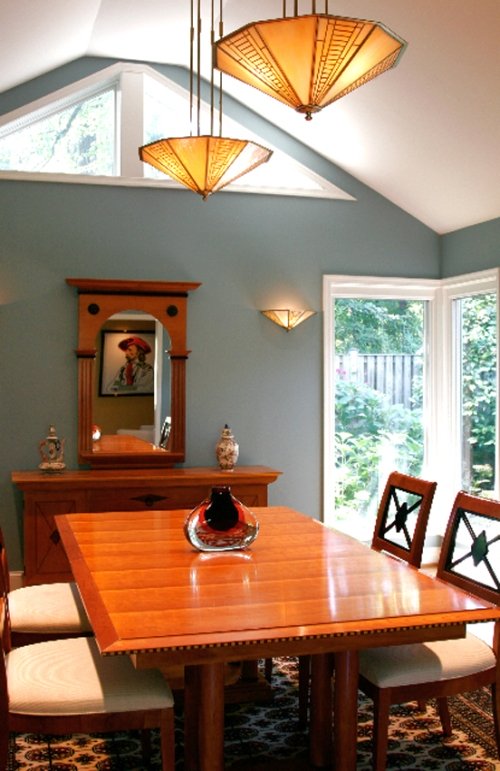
132	361
131	322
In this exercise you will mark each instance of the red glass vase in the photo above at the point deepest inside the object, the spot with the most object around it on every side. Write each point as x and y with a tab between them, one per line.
221	523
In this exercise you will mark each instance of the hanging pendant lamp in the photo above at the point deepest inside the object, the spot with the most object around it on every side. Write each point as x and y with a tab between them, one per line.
204	163
308	62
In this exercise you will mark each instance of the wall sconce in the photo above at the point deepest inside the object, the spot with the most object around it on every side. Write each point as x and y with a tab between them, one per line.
288	319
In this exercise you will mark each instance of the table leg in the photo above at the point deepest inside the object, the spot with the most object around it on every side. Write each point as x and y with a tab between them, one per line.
345	730
191	722
204	717
320	726
249	670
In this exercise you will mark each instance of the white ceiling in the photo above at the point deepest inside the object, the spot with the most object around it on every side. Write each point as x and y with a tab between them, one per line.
426	134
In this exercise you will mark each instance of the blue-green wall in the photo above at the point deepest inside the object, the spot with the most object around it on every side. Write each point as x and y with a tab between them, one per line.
249	252
469	249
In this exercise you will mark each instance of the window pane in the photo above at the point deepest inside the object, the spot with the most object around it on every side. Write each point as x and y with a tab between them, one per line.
79	139
478	357
166	114
378	402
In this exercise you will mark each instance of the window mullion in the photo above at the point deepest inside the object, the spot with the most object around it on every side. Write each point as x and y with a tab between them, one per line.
496	491
444	456
130	132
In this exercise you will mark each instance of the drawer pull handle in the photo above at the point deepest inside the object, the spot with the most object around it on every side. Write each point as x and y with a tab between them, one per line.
55	537
149	500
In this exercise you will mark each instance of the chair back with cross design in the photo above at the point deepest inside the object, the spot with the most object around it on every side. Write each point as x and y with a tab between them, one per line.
470	555
402	517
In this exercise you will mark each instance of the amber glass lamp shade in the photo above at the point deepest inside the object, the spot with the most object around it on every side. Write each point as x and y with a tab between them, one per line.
309	61
204	164
288	319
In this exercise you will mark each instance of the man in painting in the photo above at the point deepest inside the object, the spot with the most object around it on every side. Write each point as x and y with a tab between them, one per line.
136	374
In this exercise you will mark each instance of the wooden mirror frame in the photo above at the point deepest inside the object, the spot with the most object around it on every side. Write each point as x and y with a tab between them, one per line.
98	300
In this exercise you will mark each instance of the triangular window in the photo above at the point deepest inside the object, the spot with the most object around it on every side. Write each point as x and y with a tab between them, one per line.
75	139
91	131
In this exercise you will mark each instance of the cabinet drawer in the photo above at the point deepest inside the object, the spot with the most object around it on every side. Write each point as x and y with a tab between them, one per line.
135	499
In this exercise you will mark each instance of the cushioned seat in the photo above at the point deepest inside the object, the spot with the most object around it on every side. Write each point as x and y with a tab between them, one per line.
66	686
426	662
43	611
48	608
65	677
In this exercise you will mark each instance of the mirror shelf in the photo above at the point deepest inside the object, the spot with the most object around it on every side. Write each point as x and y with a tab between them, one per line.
98	301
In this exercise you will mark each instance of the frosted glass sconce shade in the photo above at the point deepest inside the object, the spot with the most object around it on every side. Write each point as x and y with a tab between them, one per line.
287	318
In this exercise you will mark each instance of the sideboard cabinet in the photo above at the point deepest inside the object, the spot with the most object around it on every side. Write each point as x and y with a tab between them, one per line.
46	495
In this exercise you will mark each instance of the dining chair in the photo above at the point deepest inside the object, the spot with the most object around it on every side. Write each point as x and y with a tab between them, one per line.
43	611
65	686
470	560
400	527
402	517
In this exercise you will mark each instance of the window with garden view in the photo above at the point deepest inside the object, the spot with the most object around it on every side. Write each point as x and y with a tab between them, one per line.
410	385
378	397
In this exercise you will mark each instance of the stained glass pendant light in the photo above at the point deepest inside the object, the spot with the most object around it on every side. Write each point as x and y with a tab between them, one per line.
204	163
308	61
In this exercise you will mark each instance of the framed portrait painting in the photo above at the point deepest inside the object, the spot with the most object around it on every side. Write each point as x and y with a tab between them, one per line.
127	363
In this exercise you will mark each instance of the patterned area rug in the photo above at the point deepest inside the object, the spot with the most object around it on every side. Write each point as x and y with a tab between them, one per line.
264	737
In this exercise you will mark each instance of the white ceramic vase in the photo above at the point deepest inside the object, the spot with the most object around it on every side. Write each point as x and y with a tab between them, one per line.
227	450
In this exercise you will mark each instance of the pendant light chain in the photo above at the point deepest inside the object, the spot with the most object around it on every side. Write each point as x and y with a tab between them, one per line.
191	69
296	8
221	33
203	163
212	74
198	67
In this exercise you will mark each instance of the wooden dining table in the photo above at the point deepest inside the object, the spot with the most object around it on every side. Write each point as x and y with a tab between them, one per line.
301	589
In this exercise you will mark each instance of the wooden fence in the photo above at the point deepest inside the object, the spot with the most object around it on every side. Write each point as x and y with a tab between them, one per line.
392	374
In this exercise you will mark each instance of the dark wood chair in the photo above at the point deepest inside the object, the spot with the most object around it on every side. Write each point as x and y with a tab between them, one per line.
400	527
402	517
470	560
65	686
44	611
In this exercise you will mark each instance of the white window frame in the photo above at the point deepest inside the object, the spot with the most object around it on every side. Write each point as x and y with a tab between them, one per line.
449	400
441	408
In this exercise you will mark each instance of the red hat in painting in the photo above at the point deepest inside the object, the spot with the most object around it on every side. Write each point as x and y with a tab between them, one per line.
138	341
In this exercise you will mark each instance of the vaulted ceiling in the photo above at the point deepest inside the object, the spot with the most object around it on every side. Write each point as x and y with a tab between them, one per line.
426	134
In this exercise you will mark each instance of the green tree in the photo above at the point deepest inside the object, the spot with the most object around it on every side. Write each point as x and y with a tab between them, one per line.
367	425
479	375
378	326
76	139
